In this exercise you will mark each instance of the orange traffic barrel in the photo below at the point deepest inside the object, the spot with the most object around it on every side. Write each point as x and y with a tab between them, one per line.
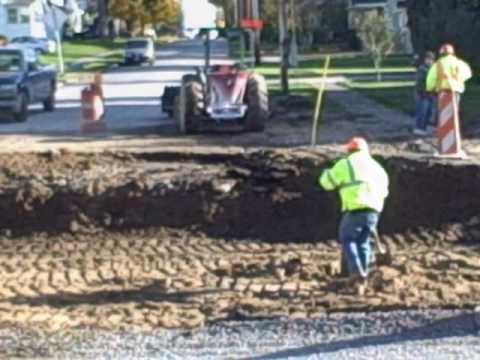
448	129
93	110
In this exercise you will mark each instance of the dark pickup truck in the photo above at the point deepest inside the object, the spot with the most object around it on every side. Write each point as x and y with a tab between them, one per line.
22	82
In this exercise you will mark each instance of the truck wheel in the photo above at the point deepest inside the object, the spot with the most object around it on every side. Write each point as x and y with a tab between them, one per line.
256	98
20	113
190	104
49	103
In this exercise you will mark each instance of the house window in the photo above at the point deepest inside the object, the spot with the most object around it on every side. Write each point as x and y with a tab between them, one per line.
24	19
12	15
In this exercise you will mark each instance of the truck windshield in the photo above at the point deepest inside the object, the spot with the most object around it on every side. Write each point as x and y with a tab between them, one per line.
140	44
10	61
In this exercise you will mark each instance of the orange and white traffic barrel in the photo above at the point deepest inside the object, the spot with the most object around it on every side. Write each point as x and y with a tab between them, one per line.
93	110
448	128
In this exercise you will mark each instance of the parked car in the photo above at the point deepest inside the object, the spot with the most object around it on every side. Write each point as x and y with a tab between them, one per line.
40	45
24	82
141	50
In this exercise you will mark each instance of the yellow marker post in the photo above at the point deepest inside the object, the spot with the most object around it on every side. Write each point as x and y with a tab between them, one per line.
318	106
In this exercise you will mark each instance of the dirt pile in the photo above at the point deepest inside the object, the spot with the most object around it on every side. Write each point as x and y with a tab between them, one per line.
271	196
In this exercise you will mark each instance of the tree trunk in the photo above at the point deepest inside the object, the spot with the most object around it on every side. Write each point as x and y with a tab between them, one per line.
293	58
284	43
378	67
257	33
102	24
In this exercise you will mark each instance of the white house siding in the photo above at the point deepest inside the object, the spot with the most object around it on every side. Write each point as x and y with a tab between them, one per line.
41	24
18	28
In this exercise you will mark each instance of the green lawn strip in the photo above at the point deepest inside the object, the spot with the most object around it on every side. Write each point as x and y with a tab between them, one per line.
470	110
98	54
77	49
339	65
399	95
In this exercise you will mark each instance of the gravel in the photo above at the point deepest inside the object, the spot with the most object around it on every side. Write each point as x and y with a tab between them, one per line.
429	334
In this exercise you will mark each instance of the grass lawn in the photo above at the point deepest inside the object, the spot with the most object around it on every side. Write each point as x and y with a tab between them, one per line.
399	95
75	50
395	94
339	65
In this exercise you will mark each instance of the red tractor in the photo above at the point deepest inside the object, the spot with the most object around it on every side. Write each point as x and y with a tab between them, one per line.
225	96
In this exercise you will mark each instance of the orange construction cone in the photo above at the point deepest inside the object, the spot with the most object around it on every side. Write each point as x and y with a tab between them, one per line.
448	128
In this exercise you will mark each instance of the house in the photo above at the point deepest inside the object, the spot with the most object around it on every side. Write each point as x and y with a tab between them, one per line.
395	12
37	18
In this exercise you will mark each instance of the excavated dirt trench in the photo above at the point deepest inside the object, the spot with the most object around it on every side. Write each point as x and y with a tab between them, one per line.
271	196
177	241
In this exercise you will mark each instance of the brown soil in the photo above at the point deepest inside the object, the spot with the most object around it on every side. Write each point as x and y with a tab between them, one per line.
169	240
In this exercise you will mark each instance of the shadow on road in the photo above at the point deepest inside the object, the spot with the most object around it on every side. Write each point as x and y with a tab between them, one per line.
155	292
455	326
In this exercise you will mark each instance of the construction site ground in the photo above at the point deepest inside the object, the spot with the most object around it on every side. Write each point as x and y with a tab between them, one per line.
163	240
145	230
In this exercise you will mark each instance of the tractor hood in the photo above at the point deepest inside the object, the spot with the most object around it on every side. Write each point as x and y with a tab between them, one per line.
227	92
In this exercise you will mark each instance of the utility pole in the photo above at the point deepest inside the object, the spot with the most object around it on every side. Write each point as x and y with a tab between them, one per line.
256	16
58	39
293	41
236	13
284	43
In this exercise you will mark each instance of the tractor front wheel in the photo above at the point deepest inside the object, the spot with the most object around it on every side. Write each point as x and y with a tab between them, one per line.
256	98
190	104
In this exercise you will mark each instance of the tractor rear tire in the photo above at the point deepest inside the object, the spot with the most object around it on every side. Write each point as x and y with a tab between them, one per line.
256	98
190	104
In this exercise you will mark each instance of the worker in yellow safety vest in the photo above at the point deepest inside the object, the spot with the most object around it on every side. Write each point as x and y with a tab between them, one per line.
363	186
449	73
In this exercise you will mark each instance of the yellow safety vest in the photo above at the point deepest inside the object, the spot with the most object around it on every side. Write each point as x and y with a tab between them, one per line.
448	73
361	181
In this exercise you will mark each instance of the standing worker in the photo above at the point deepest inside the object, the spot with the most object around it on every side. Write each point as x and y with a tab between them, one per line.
423	99
449	73
363	187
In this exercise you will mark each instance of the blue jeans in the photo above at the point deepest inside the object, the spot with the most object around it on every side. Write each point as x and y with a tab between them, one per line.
423	111
355	235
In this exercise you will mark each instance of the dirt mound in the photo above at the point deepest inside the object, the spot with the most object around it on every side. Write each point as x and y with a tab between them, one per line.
214	194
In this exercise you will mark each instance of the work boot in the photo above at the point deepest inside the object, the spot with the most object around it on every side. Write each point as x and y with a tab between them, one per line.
419	132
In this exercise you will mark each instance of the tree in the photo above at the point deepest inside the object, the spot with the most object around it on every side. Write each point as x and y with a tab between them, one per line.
285	44
102	20
435	22
139	13
378	39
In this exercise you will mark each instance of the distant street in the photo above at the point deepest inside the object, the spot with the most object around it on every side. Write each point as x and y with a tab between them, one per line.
132	95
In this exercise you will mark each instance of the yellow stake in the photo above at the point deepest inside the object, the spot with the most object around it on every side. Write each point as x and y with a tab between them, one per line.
318	105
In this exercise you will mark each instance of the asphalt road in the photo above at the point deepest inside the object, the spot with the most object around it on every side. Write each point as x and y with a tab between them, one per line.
132	95
396	335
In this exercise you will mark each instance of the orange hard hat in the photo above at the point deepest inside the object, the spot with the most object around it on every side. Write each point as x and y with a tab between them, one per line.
447	49
357	143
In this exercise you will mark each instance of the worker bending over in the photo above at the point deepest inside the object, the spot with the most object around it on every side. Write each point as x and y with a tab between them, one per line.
363	187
